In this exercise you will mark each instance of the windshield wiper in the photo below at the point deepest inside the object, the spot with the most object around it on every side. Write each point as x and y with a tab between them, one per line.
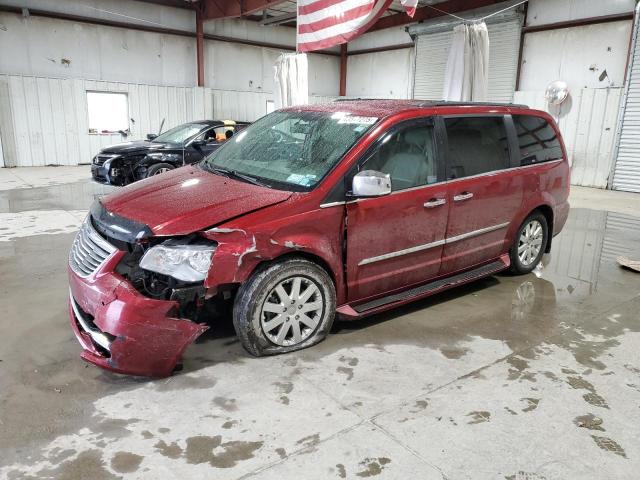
236	174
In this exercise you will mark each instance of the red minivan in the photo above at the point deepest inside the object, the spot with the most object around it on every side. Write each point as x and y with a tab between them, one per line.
353	208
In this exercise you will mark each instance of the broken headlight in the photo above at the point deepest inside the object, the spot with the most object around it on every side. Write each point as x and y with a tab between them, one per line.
183	261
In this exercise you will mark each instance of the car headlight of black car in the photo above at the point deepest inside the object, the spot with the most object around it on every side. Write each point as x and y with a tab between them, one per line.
165	157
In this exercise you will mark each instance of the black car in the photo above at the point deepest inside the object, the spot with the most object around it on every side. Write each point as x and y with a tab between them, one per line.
128	162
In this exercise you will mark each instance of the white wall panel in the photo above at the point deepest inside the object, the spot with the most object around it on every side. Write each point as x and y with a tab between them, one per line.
247	30
588	124
576	55
544	12
55	48
381	74
131	11
49	116
324	75
381	38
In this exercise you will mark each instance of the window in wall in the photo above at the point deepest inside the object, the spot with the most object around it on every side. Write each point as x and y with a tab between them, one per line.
108	112
476	145
408	156
538	140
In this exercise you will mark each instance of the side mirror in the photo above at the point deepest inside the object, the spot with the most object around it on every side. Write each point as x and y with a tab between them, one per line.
151	136
198	143
370	183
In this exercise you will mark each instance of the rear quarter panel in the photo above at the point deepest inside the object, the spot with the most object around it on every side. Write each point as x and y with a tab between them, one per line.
546	184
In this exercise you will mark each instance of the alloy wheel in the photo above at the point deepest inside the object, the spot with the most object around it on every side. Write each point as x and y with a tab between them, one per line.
530	243
161	170
292	311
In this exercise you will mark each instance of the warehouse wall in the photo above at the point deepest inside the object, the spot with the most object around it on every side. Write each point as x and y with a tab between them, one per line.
381	74
60	48
43	83
131	11
579	56
68	49
544	12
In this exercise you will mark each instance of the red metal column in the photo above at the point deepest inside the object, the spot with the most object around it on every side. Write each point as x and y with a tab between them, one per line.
343	69
200	46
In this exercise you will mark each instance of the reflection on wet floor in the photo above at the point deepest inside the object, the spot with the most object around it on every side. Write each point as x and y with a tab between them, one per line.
506	361
70	196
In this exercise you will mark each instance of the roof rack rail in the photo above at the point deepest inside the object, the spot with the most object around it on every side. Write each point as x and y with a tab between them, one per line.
444	103
356	99
436	103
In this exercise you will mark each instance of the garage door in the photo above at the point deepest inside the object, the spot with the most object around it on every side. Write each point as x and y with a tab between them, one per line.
627	170
432	51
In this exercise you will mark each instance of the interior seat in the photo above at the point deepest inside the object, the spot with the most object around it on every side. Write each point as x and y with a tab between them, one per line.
408	165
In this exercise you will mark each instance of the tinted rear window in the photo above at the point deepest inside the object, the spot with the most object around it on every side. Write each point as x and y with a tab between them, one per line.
538	140
476	145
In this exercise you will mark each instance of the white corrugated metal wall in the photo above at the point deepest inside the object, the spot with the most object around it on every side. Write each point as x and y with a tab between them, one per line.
45	119
627	168
432	51
50	124
588	125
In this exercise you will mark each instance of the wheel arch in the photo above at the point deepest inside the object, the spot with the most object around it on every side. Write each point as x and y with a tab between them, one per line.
306	255
547	211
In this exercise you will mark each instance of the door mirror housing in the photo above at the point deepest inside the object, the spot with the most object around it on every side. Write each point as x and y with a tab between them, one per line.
151	136
198	143
370	183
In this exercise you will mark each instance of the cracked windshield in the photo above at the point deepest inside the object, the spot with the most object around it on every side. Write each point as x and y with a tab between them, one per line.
289	150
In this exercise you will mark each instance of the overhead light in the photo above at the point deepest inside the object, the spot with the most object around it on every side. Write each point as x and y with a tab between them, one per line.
279	20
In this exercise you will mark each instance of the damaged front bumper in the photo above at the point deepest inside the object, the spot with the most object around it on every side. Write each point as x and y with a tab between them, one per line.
123	331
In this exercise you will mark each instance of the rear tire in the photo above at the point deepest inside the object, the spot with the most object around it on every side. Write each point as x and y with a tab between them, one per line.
283	307
158	169
529	244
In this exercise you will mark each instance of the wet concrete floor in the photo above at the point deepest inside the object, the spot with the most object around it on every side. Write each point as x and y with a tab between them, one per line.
534	377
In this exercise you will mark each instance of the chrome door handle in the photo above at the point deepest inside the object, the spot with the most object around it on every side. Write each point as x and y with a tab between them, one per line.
436	202
462	197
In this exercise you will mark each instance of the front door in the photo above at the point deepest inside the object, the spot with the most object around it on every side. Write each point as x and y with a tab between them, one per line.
396	240
193	154
484	194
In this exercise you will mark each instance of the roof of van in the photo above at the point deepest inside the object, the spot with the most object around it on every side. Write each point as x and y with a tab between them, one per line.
385	107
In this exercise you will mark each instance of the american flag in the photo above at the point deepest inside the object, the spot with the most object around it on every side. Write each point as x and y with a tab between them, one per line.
326	23
410	6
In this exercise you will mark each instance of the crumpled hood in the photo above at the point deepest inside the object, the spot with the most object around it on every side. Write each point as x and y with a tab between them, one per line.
188	199
140	146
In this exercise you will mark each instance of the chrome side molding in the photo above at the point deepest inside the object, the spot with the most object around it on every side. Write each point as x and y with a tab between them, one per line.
431	245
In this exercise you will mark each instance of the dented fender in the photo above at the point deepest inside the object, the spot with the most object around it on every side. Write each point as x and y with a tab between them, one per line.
240	251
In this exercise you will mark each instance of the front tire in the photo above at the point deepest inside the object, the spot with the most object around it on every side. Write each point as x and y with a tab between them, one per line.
529	244
158	169
283	307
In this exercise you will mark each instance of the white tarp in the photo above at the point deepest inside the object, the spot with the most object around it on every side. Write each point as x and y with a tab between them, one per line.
467	74
291	80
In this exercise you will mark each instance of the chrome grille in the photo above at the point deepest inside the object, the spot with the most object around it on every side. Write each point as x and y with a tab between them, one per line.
89	250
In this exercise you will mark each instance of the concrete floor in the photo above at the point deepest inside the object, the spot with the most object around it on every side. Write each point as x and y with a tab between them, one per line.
534	377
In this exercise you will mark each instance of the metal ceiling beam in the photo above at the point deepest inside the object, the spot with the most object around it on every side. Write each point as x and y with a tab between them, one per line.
170	3
214	9
426	13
